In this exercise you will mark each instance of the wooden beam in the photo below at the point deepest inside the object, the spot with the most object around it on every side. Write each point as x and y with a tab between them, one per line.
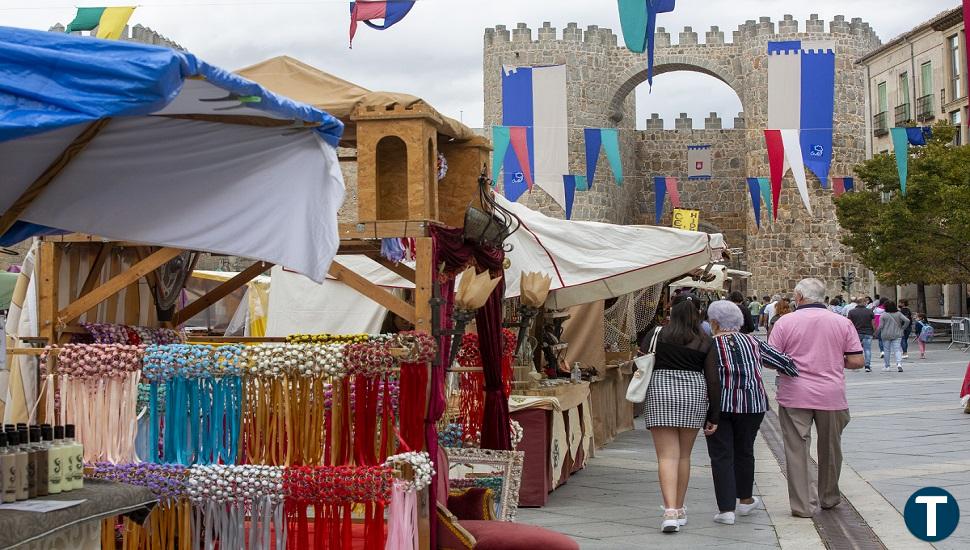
424	275
372	291
47	176
116	284
385	229
404	271
48	269
220	292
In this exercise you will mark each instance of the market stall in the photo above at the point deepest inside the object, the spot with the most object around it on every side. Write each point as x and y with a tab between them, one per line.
589	263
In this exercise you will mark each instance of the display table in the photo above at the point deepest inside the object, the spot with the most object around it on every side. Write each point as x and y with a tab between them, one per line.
76	527
557	436
612	413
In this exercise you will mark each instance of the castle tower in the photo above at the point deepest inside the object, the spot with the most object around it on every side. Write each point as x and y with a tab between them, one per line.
602	75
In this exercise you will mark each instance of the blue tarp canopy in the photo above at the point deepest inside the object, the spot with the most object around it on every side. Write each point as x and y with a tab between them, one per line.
153	145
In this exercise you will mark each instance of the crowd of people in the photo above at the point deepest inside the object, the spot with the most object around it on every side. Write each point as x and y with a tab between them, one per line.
707	376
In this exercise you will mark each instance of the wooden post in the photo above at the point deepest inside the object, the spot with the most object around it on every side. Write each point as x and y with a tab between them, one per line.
425	271
372	291
220	292
47	269
115	284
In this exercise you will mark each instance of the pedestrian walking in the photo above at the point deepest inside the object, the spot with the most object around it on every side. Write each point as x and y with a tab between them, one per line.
924	333
822	345
743	405
908	313
781	309
877	310
769	312
862	318
892	327
754	309
747	327
683	397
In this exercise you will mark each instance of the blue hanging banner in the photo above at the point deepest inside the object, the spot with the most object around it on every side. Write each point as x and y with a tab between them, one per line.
660	196
611	143
569	183
754	187
594	140
817	110
901	148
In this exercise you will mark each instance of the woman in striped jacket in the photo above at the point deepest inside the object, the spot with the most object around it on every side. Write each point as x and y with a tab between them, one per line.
743	406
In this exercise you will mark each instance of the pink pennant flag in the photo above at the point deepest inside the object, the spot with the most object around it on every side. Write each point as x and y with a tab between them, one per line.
673	192
838	186
520	144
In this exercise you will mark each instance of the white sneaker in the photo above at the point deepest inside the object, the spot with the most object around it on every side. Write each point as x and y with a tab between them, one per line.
745	509
727	518
670	522
882	354
905	356
682	516
886	369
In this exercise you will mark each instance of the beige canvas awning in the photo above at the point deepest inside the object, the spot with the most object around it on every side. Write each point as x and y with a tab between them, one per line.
305	83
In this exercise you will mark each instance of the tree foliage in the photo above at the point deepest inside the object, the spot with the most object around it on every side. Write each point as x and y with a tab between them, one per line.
924	235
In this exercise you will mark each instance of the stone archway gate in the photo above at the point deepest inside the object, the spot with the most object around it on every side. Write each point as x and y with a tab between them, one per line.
601	77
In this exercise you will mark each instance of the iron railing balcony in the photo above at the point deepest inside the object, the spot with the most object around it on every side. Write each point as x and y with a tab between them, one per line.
924	108
880	124
902	114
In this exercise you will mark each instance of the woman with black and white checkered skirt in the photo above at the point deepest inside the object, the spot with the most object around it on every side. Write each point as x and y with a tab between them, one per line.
683	397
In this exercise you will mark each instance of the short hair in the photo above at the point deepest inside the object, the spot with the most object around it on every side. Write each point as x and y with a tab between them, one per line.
727	314
860	301
736	297
776	298
811	290
890	306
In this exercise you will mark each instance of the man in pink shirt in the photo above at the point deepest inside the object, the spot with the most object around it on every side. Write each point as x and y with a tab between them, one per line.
823	344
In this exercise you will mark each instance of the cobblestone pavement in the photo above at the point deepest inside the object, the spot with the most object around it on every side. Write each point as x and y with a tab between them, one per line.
907	432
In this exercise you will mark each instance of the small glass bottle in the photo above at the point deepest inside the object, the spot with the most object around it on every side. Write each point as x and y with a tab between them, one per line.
31	461
20	454
8	471
55	460
75	453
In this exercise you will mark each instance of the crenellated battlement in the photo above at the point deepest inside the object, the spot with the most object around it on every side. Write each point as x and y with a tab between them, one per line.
764	26
139	33
684	123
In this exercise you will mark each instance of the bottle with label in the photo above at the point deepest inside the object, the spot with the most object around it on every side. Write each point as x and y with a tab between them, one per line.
31	461
8	471
75	454
576	374
40	464
55	460
65	458
20	454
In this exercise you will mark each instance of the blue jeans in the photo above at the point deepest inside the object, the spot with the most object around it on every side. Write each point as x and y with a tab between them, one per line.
894	352
881	345
905	342
866	341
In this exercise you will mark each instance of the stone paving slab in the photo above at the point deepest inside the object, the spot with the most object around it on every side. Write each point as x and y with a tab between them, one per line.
615	504
907	432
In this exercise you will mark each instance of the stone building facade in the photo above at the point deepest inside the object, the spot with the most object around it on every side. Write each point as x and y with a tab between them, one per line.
602	75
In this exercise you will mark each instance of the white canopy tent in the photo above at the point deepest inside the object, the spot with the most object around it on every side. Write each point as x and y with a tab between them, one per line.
590	261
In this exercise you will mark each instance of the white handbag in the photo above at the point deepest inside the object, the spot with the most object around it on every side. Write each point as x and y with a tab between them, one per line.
636	392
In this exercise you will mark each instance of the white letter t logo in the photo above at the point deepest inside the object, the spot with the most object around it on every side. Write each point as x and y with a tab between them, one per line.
931	502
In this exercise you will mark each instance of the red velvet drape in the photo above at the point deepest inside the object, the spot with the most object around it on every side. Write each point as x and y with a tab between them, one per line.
495	424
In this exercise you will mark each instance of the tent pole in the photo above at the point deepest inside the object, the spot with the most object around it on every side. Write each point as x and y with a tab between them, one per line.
47	176
404	271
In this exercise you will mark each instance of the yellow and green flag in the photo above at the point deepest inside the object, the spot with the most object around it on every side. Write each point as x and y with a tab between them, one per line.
110	22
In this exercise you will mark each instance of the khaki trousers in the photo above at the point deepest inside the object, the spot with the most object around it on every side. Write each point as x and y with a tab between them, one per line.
806	487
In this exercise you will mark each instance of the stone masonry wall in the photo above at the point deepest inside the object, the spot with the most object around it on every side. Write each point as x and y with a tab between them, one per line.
602	75
722	199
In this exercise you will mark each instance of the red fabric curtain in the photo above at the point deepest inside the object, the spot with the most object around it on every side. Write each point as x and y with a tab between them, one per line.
495	424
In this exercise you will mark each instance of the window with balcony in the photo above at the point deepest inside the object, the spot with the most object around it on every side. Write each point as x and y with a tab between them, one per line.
880	122
903	111
953	56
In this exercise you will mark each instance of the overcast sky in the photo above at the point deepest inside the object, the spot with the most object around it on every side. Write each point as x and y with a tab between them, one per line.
436	52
